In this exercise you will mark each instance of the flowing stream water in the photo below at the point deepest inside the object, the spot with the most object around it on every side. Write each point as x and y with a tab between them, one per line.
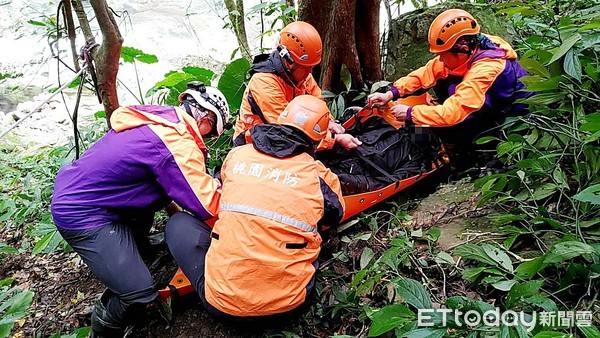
178	33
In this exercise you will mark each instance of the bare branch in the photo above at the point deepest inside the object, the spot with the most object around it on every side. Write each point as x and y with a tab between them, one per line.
83	21
70	23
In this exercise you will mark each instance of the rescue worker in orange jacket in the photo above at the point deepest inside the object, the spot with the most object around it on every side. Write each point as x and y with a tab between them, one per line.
104	203
475	77
260	259
279	77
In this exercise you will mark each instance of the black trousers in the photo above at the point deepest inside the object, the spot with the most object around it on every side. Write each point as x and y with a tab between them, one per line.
111	253
189	239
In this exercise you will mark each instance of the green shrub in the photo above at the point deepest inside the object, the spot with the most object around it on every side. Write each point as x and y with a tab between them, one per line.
13	305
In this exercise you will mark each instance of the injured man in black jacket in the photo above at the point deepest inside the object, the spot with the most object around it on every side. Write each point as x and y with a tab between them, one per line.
387	155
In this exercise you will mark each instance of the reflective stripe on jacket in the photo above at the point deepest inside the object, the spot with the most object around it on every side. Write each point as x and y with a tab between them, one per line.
489	81
152	155
266	239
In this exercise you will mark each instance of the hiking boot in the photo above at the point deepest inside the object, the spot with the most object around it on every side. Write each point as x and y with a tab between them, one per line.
104	324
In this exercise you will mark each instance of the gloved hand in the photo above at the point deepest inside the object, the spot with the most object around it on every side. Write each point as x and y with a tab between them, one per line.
347	141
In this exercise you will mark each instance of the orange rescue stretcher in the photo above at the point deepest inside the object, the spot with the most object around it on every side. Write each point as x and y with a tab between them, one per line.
355	204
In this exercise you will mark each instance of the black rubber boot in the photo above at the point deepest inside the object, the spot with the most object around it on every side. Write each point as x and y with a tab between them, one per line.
104	324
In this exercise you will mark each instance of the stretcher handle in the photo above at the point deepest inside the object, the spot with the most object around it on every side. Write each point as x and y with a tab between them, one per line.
387	108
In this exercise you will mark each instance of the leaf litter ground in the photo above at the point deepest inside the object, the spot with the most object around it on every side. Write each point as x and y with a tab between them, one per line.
65	289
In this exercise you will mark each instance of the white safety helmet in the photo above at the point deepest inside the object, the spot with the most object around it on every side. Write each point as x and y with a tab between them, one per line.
209	98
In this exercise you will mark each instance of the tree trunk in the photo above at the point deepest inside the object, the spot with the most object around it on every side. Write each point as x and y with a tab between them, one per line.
350	33
106	58
367	40
236	16
340	48
83	21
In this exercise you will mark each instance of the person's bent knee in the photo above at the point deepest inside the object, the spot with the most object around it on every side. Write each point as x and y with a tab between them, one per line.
179	225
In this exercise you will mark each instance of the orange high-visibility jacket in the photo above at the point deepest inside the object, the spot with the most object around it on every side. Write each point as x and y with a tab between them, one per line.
266	241
490	78
268	93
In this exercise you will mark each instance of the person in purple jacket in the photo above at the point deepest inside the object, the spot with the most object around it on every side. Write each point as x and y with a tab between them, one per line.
104	203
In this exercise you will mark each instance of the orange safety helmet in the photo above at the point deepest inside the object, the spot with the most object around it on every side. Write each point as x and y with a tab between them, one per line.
448	27
307	113
303	43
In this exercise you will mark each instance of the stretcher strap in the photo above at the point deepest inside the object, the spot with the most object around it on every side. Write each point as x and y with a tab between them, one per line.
174	291
376	167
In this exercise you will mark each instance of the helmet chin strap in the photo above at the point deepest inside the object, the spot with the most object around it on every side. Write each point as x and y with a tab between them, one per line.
284	53
460	50
290	77
186	107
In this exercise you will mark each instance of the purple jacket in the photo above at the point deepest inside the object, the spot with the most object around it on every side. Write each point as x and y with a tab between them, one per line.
151	156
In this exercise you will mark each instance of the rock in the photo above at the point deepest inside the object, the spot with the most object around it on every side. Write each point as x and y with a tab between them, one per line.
55	115
6	120
407	46
55	104
451	209
27	107
16	115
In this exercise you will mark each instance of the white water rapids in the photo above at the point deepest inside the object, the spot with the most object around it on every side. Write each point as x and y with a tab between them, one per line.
178	33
